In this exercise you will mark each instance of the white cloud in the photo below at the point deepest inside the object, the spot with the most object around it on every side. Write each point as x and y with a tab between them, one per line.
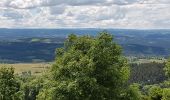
21	4
85	13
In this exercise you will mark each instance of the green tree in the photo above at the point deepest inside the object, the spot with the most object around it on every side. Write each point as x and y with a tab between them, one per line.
31	89
90	68
155	93
9	86
31	85
166	94
133	93
167	69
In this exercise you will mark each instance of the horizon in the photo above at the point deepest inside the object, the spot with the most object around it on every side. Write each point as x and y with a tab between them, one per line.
89	28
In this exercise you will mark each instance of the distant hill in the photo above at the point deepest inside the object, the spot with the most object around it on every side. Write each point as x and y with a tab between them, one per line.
28	45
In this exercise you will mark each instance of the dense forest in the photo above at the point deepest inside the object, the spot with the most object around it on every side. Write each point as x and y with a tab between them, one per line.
89	68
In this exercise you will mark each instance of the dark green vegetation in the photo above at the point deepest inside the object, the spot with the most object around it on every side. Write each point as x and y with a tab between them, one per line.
8	84
147	73
89	68
15	52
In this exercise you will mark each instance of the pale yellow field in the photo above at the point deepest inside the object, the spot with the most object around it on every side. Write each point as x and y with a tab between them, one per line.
150	60
35	68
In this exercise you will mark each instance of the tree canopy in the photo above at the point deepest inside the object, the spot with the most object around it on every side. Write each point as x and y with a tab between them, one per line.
167	69
89	68
8	84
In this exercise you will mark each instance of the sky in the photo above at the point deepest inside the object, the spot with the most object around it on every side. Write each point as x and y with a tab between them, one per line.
129	14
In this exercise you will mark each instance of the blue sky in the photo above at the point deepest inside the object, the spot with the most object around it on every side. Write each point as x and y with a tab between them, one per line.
140	14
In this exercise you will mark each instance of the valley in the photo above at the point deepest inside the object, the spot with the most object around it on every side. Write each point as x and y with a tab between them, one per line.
39	45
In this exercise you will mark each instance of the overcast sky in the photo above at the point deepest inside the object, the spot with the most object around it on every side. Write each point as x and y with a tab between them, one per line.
85	14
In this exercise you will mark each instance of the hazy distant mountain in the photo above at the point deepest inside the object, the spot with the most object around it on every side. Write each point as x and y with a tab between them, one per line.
39	44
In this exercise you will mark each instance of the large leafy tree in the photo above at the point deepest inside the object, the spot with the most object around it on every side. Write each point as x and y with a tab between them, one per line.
167	69
8	84
90	68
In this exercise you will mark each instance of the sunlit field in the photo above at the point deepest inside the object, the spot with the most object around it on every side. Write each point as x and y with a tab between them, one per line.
34	68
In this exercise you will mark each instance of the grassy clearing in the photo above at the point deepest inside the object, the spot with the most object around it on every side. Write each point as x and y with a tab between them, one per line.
150	60
35	68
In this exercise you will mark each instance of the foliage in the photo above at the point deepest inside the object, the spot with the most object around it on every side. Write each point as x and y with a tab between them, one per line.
166	94
89	68
147	73
46	93
167	69
31	89
31	85
48	87
155	93
8	84
133	93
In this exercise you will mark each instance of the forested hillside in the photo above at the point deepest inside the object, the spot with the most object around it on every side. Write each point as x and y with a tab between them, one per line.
38	45
89	68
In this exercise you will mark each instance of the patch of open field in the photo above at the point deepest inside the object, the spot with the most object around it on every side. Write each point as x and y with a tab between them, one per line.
34	68
150	60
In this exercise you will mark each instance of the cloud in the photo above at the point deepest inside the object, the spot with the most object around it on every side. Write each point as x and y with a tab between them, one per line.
11	14
54	10
26	4
85	13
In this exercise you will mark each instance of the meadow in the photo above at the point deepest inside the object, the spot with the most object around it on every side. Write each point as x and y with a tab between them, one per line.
34	68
